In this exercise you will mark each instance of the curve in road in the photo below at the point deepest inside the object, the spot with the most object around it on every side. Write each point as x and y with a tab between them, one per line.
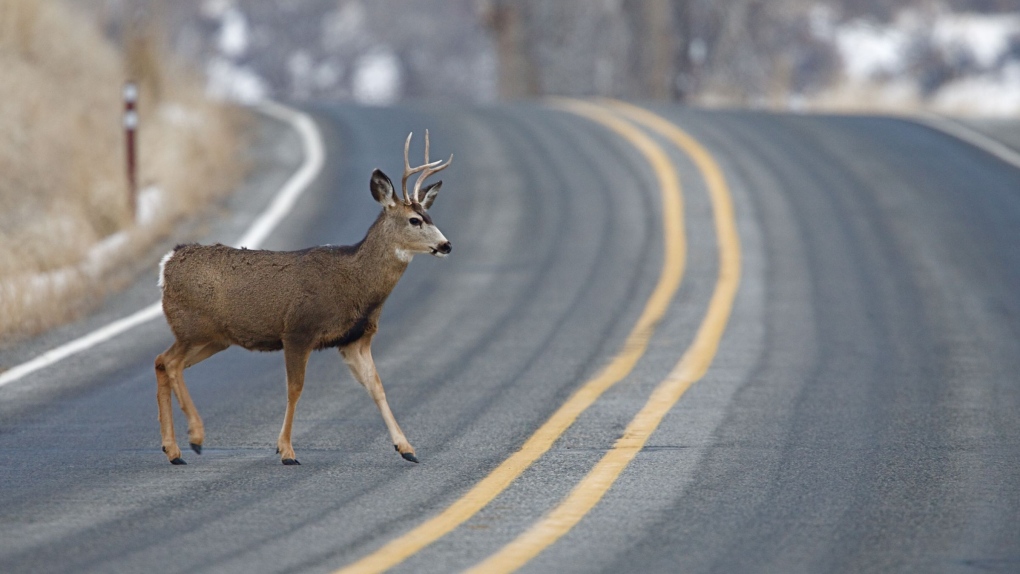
859	414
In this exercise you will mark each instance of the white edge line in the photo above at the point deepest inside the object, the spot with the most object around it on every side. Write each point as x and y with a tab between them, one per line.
972	136
296	185
78	345
258	232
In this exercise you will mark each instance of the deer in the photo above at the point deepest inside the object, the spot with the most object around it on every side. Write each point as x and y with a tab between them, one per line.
216	296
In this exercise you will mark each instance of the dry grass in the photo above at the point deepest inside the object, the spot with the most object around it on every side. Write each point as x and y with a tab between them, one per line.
62	182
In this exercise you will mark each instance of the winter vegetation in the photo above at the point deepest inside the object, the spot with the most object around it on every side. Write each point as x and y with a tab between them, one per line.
65	224
953	56
67	233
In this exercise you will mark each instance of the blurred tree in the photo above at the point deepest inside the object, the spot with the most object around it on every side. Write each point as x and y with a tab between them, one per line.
750	52
623	48
742	51
656	38
509	22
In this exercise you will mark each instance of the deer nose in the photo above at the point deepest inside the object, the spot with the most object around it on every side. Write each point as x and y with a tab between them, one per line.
445	248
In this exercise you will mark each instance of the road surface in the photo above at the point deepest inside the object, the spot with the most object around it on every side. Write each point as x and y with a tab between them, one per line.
858	414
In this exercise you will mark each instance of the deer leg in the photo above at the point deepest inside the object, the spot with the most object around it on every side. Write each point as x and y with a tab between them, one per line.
296	359
168	363
358	356
194	355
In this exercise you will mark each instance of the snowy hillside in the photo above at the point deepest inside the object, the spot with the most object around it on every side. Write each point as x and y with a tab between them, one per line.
956	63
788	53
371	52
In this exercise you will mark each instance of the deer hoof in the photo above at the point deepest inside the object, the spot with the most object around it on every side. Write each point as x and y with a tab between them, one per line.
409	457
197	448
178	460
291	462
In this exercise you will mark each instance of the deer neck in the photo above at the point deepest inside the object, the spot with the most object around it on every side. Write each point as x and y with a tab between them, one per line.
378	252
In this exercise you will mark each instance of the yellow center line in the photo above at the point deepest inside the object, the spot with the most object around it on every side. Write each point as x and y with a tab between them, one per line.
674	259
691	367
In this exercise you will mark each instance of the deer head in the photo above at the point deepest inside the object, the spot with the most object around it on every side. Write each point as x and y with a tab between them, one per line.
407	221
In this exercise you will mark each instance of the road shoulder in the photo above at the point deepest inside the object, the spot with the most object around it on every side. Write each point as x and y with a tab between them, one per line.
274	154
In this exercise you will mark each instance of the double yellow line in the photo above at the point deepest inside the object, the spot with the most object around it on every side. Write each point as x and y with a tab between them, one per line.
691	367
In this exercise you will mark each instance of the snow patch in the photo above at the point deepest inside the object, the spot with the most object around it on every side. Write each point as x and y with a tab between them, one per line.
96	262
233	36
377	78
869	50
986	37
226	80
149	204
226	77
980	71
995	93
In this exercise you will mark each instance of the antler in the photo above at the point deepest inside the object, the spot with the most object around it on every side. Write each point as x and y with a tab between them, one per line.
426	169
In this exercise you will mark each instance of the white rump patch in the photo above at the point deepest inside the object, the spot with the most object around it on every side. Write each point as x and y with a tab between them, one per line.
162	267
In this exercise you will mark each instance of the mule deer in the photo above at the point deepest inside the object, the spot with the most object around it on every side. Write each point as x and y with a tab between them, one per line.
216	296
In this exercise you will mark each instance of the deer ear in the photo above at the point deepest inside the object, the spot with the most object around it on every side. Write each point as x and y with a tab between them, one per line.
382	189
430	194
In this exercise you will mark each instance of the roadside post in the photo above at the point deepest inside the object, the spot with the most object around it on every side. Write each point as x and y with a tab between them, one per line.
130	127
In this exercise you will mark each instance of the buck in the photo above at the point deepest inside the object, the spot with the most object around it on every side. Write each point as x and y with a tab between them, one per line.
216	296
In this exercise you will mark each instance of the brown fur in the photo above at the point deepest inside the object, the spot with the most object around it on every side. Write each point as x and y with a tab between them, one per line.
216	296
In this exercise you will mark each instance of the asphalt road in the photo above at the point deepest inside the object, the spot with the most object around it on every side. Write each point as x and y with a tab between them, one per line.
859	415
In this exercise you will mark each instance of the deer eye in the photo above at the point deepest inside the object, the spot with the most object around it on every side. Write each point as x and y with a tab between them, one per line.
415	221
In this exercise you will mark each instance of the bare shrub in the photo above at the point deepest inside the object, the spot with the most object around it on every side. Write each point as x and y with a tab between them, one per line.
63	188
